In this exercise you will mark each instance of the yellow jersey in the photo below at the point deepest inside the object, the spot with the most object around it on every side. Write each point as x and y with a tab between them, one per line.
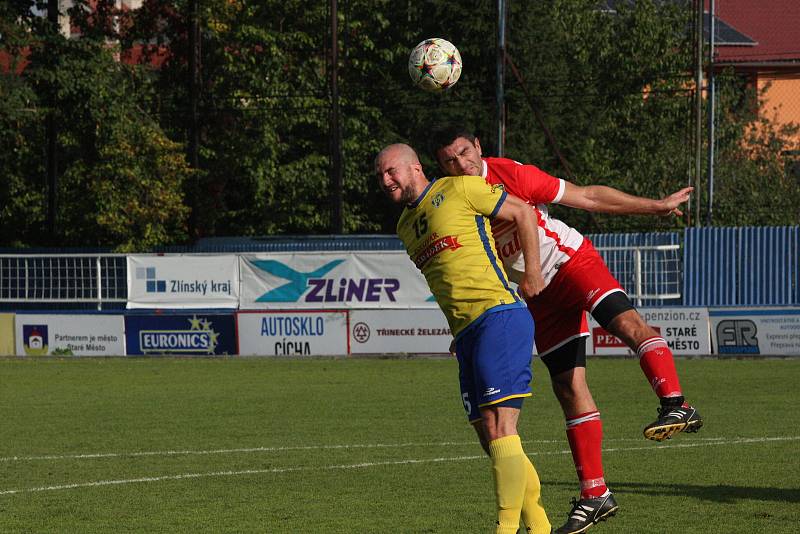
447	234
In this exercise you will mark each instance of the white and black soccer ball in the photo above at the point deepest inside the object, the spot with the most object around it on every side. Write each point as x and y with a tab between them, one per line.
434	65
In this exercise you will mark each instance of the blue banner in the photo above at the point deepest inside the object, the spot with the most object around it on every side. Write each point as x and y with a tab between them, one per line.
196	333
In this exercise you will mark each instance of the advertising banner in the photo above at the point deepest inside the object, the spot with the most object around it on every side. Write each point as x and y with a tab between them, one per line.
399	331
70	335
684	329
773	331
346	280
7	334
197	333
183	281
290	333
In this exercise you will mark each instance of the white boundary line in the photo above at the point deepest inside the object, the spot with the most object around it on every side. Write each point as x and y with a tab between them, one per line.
712	441
201	452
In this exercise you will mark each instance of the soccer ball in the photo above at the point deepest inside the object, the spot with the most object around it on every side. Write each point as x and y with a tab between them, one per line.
434	65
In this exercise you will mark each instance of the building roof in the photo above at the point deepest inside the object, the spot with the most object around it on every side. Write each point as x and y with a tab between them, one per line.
746	31
725	34
774	25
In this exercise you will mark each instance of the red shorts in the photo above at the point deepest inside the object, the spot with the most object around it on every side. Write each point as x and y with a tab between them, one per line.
559	310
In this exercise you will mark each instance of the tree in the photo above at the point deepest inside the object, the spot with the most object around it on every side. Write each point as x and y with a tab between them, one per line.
121	177
613	88
754	184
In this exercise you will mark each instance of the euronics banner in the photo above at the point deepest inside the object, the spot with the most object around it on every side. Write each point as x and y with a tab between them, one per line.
290	333
332	280
684	329
70	335
7	334
183	281
404	331
196	333
770	331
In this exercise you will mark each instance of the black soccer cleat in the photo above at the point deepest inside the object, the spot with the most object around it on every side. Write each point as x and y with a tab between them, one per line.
588	512
672	420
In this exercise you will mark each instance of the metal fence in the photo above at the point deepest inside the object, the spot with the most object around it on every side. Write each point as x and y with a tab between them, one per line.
648	265
651	275
742	266
64	278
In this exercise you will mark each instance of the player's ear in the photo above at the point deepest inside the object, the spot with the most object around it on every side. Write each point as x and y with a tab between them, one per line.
478	146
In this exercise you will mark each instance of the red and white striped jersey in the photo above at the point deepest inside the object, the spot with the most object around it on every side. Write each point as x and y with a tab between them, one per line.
557	241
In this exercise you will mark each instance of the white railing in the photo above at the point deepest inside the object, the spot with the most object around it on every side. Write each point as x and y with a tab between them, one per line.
646	273
63	278
651	272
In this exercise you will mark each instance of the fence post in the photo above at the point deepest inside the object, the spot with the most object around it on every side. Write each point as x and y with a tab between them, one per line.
99	284
26	278
637	275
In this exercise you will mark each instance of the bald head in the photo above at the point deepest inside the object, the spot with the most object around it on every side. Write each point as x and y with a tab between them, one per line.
398	152
399	173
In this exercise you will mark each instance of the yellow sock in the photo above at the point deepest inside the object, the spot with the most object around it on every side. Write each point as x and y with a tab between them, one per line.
533	514
508	468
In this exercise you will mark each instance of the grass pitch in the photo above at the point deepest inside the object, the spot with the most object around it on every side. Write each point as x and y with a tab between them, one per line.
372	445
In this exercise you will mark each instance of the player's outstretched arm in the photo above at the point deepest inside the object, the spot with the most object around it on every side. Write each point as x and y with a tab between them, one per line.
514	209
604	199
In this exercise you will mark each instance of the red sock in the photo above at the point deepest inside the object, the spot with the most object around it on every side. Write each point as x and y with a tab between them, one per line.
585	435
658	365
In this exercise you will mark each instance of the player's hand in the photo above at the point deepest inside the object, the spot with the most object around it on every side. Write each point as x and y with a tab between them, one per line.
672	202
453	347
531	285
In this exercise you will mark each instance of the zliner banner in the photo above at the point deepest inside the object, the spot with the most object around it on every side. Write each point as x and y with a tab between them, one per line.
292	333
183	281
684	329
200	333
70	335
345	280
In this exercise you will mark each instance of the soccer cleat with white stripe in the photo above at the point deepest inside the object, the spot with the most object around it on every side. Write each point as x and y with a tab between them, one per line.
588	512
672	420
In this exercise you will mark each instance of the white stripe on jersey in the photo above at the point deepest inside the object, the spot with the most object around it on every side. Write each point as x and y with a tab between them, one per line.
557	241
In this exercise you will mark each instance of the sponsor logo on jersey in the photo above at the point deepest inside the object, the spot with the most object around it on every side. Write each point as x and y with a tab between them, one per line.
438	199
448	242
591	294
509	248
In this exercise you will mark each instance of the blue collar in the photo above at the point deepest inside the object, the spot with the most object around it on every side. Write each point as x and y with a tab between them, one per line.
421	195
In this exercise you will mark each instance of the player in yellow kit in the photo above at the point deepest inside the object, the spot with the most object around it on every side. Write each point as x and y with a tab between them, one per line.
445	228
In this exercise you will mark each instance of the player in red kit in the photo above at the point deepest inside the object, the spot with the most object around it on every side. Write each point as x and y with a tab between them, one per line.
577	280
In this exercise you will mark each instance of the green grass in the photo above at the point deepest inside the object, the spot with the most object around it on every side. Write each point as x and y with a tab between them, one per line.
363	445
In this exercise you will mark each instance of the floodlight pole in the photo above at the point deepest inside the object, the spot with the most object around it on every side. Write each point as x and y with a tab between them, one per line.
194	121
712	97
336	176
698	122
52	143
501	62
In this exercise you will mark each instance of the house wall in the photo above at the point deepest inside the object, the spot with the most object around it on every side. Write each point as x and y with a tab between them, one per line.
782	98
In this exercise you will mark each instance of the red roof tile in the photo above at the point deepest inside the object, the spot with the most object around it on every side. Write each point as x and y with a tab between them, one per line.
773	24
